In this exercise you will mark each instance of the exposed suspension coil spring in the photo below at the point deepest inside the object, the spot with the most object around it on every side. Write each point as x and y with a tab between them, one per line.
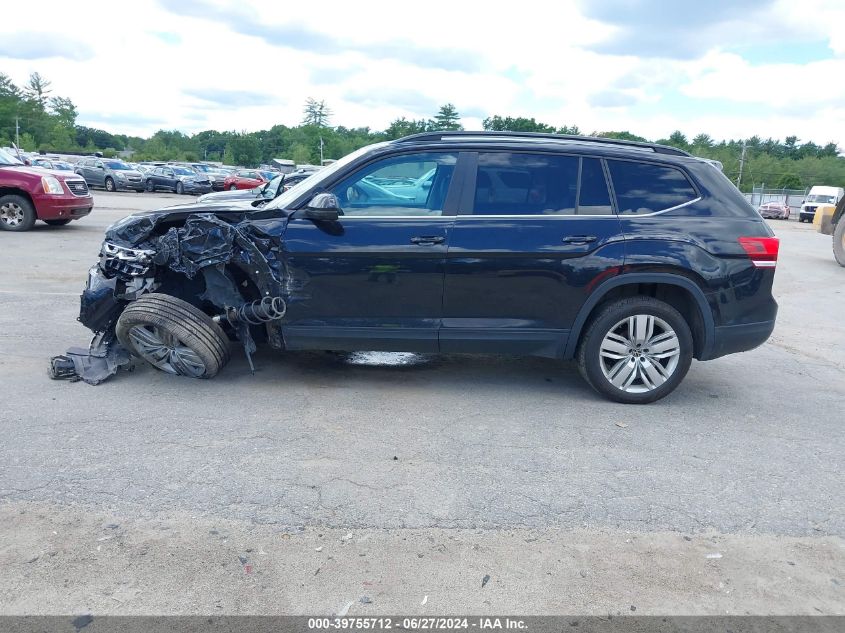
258	312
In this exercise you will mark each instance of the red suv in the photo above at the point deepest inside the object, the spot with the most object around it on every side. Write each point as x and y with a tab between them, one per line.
28	194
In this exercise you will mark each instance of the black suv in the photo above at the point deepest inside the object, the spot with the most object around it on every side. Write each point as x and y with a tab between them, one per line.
630	258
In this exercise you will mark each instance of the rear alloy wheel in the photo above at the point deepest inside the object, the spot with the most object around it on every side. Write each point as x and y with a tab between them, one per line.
636	350
180	188
173	336
16	213
110	185
150	187
233	187
839	241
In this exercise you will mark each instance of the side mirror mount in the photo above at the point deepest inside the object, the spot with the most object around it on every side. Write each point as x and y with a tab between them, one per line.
323	206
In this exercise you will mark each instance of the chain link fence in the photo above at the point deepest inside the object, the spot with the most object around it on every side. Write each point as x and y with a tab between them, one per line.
792	197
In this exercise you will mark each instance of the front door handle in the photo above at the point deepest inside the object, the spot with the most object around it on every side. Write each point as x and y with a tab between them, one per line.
428	239
579	239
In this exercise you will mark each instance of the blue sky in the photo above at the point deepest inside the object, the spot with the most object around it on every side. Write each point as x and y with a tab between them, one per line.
728	68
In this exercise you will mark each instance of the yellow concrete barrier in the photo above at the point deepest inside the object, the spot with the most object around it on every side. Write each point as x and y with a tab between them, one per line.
823	217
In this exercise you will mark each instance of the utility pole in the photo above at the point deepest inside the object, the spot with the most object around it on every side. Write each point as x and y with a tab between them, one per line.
741	165
321	151
17	131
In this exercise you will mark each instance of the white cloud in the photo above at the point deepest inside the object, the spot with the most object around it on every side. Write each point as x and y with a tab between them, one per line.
180	65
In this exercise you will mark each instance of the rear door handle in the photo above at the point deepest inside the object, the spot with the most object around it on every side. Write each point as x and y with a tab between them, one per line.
579	239
428	239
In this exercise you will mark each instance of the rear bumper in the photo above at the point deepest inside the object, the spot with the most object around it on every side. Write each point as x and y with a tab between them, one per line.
730	339
66	207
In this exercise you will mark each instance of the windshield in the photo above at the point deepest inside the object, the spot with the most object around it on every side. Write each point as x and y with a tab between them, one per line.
270	190
118	166
182	171
313	182
822	199
8	159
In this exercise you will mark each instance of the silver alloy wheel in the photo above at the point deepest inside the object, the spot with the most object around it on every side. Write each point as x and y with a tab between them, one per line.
166	352
639	353
11	214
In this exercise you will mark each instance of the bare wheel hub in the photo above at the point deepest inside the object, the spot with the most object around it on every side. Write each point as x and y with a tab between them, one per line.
11	214
640	353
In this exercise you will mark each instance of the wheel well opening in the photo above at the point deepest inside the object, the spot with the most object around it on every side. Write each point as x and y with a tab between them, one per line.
676	296
5	191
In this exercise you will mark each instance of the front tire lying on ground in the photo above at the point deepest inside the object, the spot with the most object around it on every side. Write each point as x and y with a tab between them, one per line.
636	350
173	336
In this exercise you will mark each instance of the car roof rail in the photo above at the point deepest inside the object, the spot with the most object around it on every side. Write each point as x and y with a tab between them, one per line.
539	137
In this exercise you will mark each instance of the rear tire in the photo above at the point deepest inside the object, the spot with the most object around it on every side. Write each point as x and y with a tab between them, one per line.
150	186
61	222
647	357
173	336
16	213
180	188
233	187
839	242
110	185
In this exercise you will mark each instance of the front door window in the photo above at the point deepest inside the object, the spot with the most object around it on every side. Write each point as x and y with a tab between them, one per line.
400	186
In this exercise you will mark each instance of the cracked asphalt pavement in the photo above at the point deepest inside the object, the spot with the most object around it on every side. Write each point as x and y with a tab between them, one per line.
508	462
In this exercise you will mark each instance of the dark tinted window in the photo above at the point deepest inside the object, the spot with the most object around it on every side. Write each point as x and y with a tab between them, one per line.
594	198
646	188
540	184
525	184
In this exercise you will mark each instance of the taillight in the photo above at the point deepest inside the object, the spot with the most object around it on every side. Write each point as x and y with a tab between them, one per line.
763	251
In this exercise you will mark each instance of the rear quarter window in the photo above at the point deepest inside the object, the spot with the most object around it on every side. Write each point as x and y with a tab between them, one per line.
648	188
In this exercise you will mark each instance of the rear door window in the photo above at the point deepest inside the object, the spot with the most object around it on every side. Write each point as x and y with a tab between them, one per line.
515	183
647	188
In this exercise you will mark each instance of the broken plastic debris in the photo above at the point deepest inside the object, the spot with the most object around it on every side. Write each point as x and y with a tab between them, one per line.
424	600
101	360
485	580
622	425
318	549
714	555
345	609
365	600
348	537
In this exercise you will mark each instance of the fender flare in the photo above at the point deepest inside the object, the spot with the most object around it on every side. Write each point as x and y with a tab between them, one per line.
644	278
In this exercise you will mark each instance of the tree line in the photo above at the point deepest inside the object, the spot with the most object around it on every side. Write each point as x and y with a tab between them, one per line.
42	121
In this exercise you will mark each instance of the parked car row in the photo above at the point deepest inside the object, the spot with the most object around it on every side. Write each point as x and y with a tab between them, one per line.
115	174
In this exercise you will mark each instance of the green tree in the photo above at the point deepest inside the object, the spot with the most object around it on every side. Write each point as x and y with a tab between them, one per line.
447	118
28	143
300	154
623	136
64	110
496	123
245	150
37	89
317	113
789	181
676	139
702	140
404	127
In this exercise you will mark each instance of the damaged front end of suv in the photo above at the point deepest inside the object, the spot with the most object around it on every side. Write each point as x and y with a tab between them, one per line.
174	287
